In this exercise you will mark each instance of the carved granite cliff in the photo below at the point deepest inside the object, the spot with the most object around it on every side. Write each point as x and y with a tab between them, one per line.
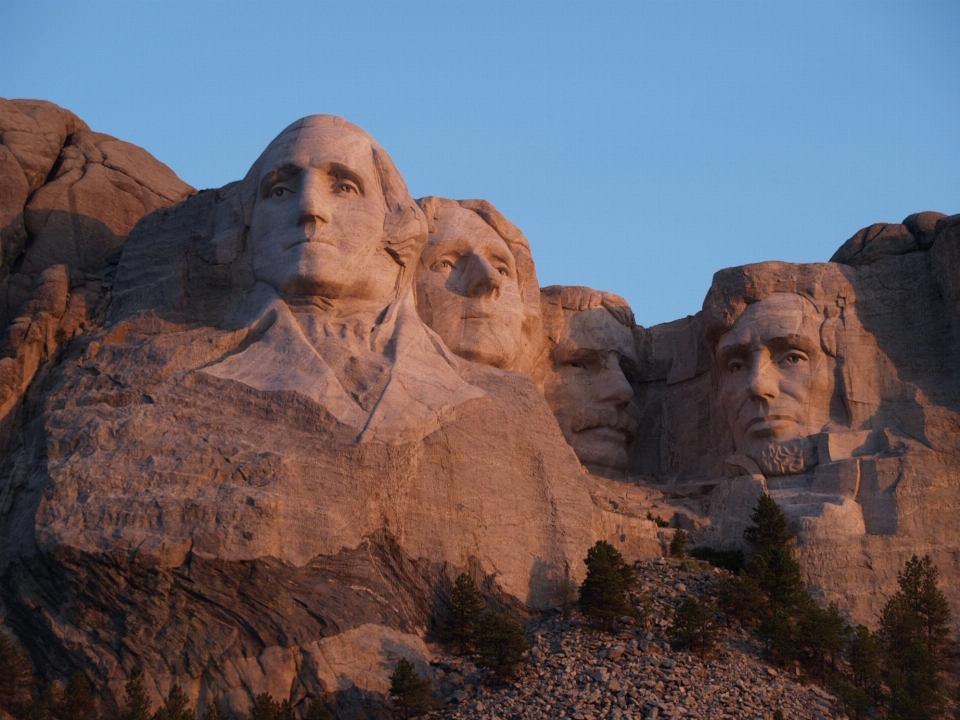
248	436
266	452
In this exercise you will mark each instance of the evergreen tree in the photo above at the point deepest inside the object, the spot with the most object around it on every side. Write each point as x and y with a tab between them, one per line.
863	652
742	598
265	708
603	592
913	639
694	626
175	706
318	710
137	704
77	701
823	635
500	644
463	620
769	529
678	545
16	676
779	577
410	692
214	710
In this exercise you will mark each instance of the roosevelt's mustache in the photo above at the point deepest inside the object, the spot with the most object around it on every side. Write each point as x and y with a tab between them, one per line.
615	418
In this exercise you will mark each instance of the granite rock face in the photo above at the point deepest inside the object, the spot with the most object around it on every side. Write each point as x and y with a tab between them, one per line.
835	387
249	436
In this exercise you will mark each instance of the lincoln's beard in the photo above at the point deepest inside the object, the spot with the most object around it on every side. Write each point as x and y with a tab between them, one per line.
790	457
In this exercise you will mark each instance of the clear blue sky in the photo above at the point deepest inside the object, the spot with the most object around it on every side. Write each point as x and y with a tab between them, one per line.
641	146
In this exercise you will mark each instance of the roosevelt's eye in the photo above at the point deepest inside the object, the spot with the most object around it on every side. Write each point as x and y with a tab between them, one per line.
443	265
735	365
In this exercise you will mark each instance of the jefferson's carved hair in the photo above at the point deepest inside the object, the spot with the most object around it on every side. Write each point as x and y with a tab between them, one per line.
404	228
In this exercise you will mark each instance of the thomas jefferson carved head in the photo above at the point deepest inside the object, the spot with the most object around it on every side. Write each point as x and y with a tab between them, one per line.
329	215
476	285
589	355
777	331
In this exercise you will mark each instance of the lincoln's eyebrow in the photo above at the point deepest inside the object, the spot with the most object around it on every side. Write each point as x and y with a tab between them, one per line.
287	171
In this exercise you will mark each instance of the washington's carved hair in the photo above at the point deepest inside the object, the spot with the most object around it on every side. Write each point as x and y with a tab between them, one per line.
404	227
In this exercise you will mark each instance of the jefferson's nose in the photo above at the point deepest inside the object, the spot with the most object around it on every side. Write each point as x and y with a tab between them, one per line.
314	205
613	386
762	380
481	279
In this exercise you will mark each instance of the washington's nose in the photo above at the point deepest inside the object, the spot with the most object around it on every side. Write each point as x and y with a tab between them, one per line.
614	386
313	204
481	279
762	379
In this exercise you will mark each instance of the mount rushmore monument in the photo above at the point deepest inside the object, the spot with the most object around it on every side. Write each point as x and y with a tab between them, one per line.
248	436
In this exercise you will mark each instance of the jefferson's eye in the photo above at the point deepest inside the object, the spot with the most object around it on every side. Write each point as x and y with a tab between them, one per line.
735	365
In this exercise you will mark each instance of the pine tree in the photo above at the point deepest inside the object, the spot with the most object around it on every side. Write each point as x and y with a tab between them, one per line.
694	626
264	707
16	676
318	710
603	592
214	710
823	635
410	692
137	704
913	639
769	529
779	577
463	620
77	701
500	644
678	545
742	598
175	706
863	652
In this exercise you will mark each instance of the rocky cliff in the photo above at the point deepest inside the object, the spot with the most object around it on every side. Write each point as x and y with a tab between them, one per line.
238	452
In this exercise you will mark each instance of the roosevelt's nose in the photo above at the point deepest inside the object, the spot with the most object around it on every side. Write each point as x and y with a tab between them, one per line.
763	381
613	386
480	278
314	203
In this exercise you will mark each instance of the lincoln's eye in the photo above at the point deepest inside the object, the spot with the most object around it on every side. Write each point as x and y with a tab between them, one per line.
793	358
347	187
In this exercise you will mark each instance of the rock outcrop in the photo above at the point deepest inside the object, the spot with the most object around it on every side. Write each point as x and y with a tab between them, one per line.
249	436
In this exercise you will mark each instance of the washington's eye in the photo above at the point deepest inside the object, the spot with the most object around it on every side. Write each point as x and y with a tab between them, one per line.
279	192
347	187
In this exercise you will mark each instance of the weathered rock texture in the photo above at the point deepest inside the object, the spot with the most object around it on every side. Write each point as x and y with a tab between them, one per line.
870	472
69	197
235	455
213	484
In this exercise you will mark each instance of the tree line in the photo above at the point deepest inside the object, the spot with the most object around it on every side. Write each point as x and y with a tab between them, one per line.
896	671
